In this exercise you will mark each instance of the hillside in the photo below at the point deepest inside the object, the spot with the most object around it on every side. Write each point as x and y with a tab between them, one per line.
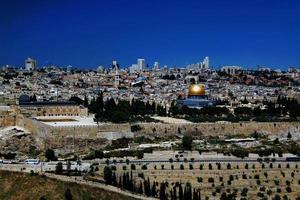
19	186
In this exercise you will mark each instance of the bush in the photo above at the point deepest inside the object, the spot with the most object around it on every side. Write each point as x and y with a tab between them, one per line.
228	166
144	167
50	155
135	128
260	194
258	182
99	154
244	192
187	141
278	190
200	179
59	168
269	192
132	167
221	179
289	189
107	175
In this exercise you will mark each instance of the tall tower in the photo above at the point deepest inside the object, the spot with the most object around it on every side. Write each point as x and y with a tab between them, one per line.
156	66
141	64
205	63
30	64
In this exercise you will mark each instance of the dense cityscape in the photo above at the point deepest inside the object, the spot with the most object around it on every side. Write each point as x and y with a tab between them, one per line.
169	100
130	115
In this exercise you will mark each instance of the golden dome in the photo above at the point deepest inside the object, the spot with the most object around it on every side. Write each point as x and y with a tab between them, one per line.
196	90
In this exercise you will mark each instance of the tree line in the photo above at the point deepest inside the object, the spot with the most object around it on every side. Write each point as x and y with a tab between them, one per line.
124	110
163	190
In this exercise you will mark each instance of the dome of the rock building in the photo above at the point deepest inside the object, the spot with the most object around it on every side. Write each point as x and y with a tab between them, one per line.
196	90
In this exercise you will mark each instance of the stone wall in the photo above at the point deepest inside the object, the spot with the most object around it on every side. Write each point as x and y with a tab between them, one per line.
217	129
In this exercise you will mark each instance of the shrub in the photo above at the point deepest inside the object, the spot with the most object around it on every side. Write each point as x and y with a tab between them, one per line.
211	180
144	167
199	179
258	182
260	194
278	190
244	192
228	166
221	179
262	189
289	189
132	167
269	192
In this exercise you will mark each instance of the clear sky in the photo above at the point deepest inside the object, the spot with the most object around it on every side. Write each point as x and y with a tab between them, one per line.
174	32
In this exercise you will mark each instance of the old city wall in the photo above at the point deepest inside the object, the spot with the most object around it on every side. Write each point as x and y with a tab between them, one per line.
162	129
217	129
42	130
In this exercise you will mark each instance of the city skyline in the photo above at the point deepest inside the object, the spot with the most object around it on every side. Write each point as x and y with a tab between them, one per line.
246	34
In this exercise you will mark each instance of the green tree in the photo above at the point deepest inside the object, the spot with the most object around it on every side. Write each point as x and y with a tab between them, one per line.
68	194
107	175
187	142
50	155
59	168
99	154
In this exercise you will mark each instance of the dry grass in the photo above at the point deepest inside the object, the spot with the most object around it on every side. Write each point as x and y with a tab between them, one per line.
19	186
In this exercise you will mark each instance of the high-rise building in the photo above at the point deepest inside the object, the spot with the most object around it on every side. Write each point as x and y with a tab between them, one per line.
205	63
156	66
30	64
141	64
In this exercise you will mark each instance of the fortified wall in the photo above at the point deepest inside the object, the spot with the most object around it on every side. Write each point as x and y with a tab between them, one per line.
219	129
163	129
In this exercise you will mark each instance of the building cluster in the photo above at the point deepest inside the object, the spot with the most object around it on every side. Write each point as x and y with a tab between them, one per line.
164	86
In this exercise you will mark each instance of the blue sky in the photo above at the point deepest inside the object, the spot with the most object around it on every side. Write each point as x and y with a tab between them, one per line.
91	33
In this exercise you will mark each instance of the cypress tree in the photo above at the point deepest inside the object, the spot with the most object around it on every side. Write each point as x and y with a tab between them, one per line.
180	192
162	191
153	190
